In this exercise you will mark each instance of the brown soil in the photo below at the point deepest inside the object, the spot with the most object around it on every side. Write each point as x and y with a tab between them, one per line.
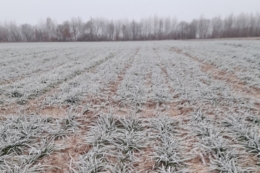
146	163
166	77
72	147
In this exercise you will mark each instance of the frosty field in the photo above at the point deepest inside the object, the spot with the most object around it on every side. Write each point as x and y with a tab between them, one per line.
162	106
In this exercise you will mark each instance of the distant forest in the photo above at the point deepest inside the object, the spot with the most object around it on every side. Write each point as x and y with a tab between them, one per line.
152	28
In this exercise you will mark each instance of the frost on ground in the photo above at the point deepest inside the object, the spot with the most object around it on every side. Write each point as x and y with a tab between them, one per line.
168	106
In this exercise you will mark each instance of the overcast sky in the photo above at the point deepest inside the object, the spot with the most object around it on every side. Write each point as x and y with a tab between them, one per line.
32	11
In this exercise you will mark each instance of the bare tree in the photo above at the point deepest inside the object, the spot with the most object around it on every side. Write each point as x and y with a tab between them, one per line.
125	30
14	34
77	28
257	25
147	31
182	30
134	29
243	21
26	32
96	26
50	29
167	28
174	23
228	26
155	27
217	27
203	27
111	30
252	26
193	29
3	34
117	30
160	29
63	32
151	28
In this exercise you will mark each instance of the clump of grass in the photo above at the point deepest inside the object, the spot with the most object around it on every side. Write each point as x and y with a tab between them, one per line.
69	122
121	167
22	101
72	100
93	161
26	139
16	94
102	131
167	155
227	162
245	132
131	124
115	141
129	141
163	169
164	125
223	155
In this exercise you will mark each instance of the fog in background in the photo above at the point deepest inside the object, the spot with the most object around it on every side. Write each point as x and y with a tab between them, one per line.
114	20
34	11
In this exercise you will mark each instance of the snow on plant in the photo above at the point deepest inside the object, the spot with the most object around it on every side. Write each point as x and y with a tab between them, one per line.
36	85
126	135
161	77
245	132
164	125
18	66
132	89
227	163
203	127
163	169
93	161
215	142
115	141
101	132
129	142
74	90
98	160
120	167
25	139
131	124
24	167
168	153
70	124
228	59
196	85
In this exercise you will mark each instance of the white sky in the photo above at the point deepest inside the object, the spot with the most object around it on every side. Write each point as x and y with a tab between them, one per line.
32	11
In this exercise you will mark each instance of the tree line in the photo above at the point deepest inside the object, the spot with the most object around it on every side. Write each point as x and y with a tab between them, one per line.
152	28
